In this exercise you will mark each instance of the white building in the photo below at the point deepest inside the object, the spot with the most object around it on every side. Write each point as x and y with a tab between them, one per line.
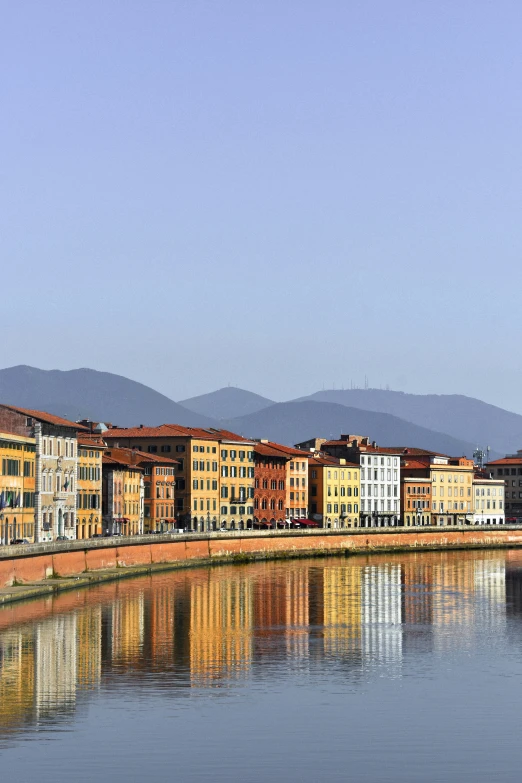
380	488
488	501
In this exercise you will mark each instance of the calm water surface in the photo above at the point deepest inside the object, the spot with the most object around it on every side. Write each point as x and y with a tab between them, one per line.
381	668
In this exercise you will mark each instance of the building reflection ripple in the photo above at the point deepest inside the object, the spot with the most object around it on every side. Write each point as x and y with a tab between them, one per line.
215	628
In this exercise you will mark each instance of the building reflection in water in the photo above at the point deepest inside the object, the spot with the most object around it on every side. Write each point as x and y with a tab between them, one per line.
209	628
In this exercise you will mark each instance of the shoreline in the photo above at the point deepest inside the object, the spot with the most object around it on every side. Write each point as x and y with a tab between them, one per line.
39	570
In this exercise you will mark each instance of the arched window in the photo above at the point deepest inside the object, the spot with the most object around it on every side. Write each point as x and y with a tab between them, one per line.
280	505
264	503
272	504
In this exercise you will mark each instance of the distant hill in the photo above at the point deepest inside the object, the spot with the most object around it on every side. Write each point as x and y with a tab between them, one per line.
465	417
227	403
292	422
100	396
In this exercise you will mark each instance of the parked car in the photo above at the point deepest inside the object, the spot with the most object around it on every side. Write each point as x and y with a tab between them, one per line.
61	538
15	541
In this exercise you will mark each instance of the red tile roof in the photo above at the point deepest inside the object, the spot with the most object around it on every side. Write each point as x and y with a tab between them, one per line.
267	450
121	462
91	443
415	464
174	431
506	461
315	459
134	457
286	451
48	418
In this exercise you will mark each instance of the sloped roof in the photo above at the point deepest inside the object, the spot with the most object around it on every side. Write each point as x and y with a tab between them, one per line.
48	418
173	431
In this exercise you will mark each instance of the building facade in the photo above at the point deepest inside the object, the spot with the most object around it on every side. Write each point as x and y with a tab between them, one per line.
379	477
488	501
269	485
509	470
17	488
334	486
236	483
415	501
89	489
122	494
56	462
451	480
214	475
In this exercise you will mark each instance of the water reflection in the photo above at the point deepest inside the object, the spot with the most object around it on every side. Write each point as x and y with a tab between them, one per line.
214	628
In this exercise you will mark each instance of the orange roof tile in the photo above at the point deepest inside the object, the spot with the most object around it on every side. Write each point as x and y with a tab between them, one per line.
173	431
48	418
506	461
83	440
134	457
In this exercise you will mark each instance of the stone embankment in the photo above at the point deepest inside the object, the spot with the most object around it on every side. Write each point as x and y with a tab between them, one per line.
36	569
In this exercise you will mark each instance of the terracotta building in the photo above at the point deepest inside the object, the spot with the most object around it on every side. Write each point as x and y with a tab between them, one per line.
270	485
415	499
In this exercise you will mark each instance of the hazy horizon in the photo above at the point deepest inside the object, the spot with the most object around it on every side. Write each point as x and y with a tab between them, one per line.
278	196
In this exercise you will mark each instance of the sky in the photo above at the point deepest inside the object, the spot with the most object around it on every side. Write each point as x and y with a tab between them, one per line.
279	195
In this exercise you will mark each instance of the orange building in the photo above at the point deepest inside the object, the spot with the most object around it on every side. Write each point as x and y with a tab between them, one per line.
122	494
415	500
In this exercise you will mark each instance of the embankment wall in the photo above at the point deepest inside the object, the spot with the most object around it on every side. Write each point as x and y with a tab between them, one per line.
37	563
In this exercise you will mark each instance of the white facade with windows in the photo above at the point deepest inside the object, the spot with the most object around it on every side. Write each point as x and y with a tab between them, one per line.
55	482
380	489
488	502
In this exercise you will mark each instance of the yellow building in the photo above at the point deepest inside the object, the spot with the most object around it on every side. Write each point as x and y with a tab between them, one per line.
17	487
451	485
89	487
236	483
334	491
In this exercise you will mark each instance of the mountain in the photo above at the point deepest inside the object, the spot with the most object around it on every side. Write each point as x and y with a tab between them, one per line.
227	403
466	418
292	422
100	396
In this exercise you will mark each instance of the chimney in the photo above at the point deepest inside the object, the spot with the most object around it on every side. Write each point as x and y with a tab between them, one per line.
141	426
374	444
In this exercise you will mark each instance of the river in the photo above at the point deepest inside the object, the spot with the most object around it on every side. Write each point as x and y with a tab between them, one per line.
371	668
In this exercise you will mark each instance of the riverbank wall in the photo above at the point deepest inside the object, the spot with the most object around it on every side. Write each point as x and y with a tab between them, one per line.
36	569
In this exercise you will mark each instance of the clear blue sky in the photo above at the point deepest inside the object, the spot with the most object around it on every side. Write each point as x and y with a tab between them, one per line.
278	194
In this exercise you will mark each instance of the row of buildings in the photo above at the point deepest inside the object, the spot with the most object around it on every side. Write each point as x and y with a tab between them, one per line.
63	479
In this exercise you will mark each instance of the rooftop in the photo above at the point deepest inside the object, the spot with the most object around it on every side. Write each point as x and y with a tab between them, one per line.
47	418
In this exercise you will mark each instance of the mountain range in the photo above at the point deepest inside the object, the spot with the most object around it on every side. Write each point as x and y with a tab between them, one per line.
451	424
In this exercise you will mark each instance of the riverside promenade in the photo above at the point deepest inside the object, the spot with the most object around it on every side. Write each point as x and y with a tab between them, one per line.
33	570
